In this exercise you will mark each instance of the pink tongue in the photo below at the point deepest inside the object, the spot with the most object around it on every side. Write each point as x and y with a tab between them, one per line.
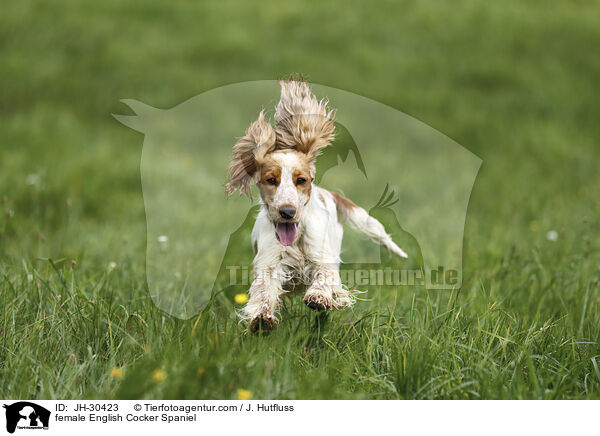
286	232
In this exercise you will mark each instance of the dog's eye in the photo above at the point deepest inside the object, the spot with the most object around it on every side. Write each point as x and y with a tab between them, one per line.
272	181
300	181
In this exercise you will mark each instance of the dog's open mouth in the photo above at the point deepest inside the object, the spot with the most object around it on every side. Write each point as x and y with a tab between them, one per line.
286	232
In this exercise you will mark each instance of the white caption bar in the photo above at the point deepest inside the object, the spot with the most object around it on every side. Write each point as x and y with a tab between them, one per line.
23	417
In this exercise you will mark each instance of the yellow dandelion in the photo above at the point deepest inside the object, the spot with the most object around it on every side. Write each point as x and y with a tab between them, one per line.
200	371
534	226
244	394
116	373
241	298
159	375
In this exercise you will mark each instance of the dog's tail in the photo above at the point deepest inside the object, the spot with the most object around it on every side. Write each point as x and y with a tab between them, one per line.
359	219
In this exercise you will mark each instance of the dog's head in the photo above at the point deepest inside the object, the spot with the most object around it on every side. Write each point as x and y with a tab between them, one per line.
281	159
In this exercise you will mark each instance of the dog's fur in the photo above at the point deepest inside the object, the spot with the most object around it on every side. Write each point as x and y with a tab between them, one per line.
297	236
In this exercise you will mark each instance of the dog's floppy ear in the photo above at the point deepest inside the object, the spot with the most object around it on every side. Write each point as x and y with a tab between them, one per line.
303	122
248	151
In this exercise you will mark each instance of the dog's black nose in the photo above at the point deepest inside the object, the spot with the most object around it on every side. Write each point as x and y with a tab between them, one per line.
287	212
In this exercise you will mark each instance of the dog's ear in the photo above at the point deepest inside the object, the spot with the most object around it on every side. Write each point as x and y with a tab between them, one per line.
248	151
303	122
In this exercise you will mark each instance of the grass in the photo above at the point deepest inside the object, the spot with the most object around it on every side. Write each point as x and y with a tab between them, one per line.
514	82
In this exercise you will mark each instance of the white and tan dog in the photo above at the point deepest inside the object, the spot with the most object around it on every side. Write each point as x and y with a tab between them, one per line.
297	237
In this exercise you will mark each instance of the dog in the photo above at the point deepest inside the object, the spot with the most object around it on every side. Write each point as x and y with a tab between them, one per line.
297	235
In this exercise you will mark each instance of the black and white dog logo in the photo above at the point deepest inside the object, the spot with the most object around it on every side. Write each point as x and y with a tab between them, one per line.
26	415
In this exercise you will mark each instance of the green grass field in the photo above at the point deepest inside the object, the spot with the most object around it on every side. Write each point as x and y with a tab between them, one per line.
516	83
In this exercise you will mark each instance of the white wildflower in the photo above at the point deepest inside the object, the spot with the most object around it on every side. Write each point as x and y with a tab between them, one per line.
33	179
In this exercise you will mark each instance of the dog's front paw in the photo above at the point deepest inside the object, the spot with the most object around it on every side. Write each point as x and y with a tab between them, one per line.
318	300
262	324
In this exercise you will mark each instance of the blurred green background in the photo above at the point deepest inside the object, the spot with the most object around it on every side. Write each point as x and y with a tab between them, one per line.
516	83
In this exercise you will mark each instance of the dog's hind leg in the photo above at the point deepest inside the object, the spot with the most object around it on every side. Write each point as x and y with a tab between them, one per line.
360	220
